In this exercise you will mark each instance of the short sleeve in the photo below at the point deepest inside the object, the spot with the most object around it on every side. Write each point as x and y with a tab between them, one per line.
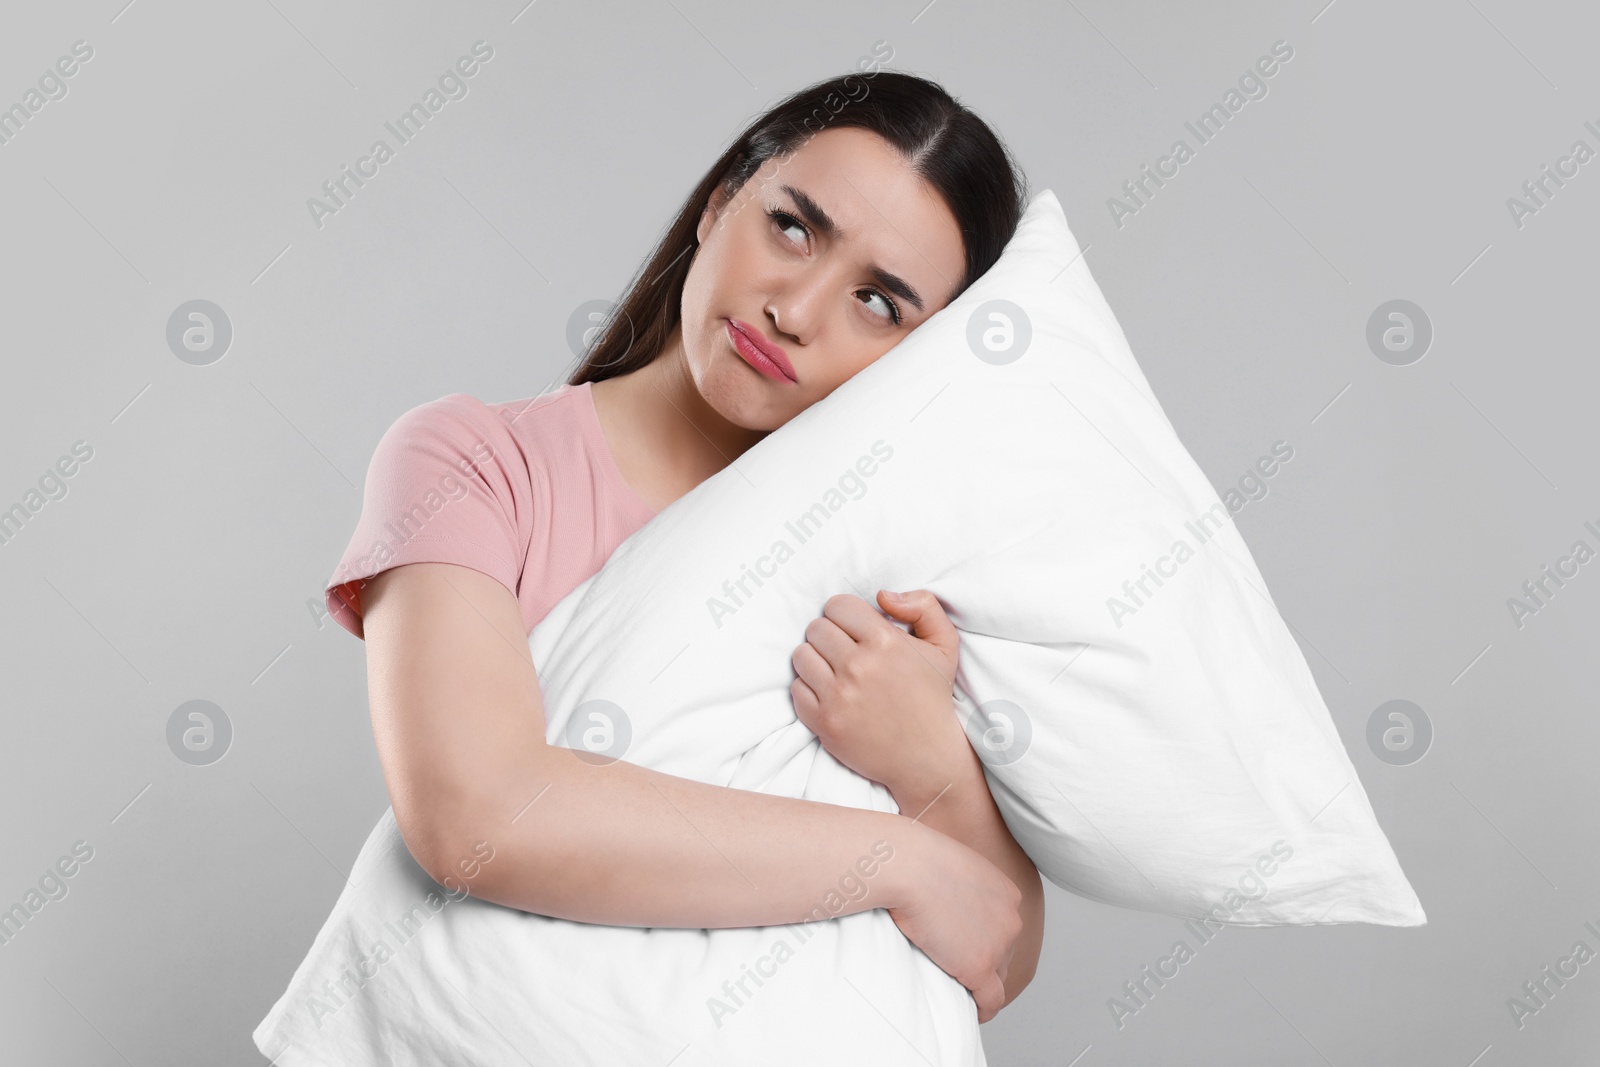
448	483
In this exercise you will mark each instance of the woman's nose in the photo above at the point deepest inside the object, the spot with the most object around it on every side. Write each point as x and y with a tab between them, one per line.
798	307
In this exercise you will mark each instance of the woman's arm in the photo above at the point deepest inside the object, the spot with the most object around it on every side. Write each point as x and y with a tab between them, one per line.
459	722
880	700
956	801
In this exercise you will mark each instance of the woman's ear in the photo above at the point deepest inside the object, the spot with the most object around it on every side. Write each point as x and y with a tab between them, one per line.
712	212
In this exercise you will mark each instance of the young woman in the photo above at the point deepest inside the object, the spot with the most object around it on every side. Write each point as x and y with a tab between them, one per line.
836	224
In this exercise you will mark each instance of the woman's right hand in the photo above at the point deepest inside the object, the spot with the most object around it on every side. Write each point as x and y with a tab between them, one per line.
964	913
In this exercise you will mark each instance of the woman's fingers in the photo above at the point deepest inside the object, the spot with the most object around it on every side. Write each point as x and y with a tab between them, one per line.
824	635
854	616
812	668
926	615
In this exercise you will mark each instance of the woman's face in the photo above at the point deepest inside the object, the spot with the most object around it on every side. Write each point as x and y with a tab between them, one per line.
829	256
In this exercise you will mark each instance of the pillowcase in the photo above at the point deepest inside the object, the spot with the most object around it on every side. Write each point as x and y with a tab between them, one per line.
1149	729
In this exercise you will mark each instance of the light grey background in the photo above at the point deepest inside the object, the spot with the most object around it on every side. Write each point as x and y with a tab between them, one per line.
180	564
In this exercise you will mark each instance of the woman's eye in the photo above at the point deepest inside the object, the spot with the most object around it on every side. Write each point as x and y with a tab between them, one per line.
787	221
891	311
888	309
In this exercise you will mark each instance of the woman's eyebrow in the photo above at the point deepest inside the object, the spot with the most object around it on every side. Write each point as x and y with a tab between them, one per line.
820	220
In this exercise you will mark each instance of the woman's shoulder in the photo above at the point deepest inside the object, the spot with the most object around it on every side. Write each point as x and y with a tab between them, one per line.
461	422
561	403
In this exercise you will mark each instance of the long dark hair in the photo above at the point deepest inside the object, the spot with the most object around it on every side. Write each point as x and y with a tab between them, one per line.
946	144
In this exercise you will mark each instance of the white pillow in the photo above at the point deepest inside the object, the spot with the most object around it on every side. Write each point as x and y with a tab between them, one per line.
1159	745
1177	759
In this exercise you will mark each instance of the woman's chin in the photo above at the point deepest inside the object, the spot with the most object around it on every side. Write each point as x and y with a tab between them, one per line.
739	393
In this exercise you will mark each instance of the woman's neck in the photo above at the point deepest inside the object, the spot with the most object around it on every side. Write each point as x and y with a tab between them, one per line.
665	437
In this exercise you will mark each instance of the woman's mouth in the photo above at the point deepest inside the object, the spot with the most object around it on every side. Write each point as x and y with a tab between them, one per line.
760	353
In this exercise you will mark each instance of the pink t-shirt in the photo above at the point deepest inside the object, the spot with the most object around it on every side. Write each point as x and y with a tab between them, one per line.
526	491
